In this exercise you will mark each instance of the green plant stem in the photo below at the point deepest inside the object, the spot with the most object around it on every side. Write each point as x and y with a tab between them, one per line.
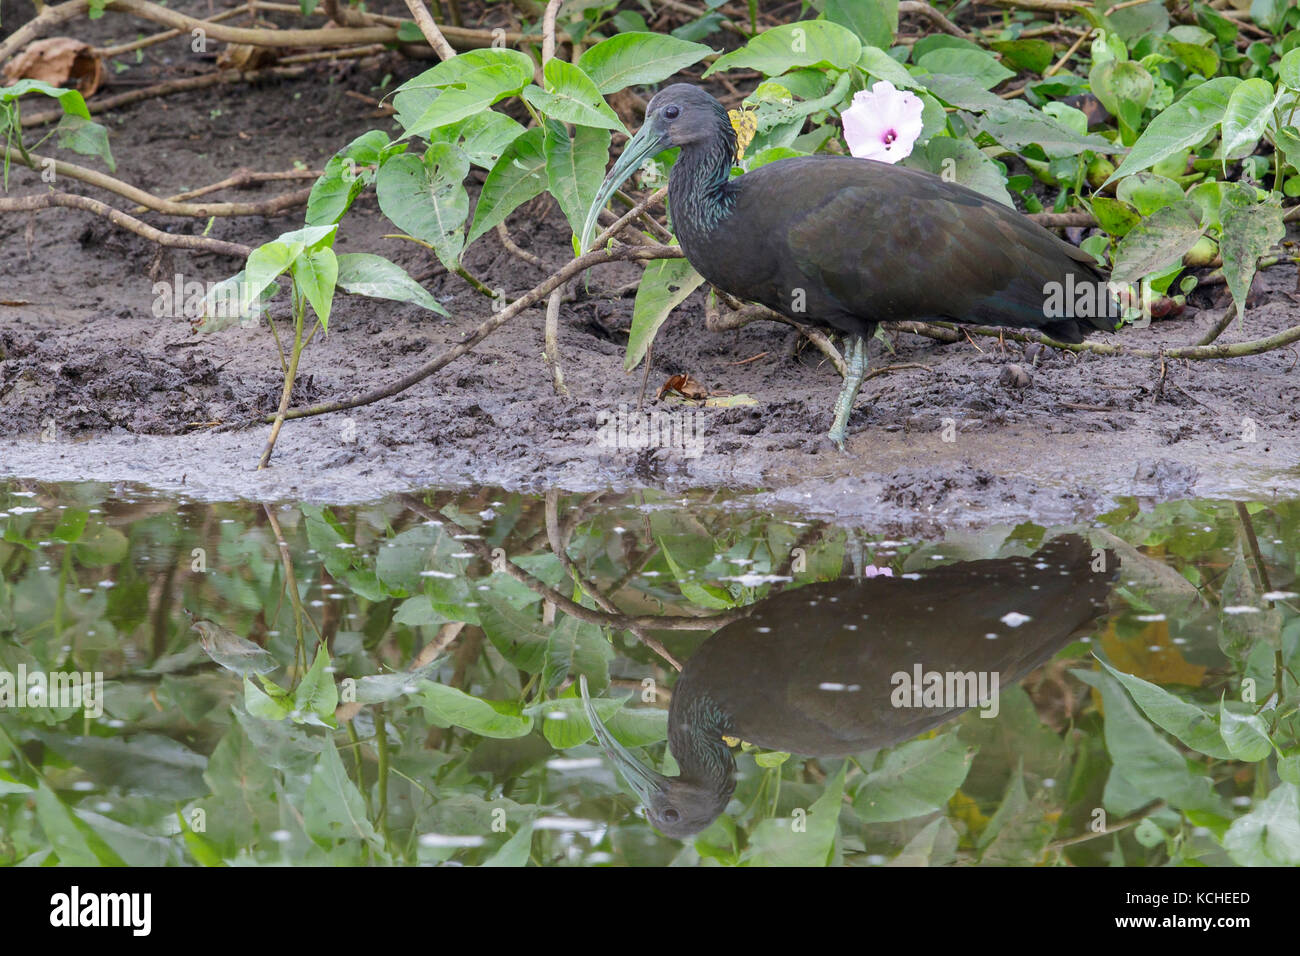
381	742
288	383
284	363
356	763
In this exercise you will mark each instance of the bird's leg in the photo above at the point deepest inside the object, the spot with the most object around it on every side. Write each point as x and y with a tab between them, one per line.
855	361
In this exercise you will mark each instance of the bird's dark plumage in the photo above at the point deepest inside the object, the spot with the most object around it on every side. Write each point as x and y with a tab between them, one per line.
849	243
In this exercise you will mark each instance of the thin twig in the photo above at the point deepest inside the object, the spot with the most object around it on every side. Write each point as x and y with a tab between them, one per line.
121	219
931	14
424	20
269	207
469	342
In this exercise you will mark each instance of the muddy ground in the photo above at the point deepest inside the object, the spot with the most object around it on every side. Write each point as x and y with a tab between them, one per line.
93	386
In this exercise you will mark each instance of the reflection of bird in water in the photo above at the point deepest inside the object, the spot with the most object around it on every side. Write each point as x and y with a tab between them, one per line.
231	651
816	670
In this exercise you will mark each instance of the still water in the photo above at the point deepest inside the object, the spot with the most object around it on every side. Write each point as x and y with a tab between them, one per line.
186	682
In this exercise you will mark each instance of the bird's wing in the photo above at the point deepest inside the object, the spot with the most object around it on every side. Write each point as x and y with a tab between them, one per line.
890	244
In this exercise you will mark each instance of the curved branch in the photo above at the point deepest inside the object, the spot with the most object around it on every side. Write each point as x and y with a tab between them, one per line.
129	223
467	344
270	207
424	20
667	622
933	15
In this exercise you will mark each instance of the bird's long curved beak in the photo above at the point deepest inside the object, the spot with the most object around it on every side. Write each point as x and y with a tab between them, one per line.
638	149
642	779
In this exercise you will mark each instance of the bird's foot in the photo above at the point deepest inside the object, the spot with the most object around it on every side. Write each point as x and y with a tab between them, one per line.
836	437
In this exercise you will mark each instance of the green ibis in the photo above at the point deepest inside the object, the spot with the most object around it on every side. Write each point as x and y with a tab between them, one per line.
815	670
848	243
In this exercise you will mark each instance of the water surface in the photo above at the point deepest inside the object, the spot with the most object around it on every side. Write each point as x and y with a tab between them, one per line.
396	683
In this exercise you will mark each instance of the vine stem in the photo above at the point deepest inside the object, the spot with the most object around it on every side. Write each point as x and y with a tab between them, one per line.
487	327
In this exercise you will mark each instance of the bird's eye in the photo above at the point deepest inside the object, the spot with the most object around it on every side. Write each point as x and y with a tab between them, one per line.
670	814
671	112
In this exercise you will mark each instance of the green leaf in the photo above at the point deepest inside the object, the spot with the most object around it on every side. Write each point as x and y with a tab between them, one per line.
1182	125
427	198
1288	769
1250	229
633	59
975	65
806	43
260	704
1270	834
873	22
565	722
1250	108
1148	192
935	845
961	161
1288	70
315	274
72	102
487	718
1198	59
316	693
271	259
515	851
1034	55
665	285
85	137
698	594
482	137
519	636
880	65
364	274
1115	218
913	779
1019	831
1123	88
345	175
146	764
1012	123
1192	725
1132	22
571	97
804	839
1158	241
463	86
100	545
1144	766
75	843
333	808
575	168
1246	734
518	176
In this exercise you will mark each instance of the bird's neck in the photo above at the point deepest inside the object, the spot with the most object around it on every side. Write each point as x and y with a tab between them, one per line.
700	194
695	738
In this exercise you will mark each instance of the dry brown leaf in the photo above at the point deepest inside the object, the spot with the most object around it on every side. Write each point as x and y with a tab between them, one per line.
684	386
59	61
242	56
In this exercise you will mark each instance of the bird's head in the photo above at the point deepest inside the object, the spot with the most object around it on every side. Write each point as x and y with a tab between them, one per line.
677	807
679	115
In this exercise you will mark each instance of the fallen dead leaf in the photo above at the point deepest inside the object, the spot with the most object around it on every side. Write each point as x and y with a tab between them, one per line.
685	386
59	61
242	56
